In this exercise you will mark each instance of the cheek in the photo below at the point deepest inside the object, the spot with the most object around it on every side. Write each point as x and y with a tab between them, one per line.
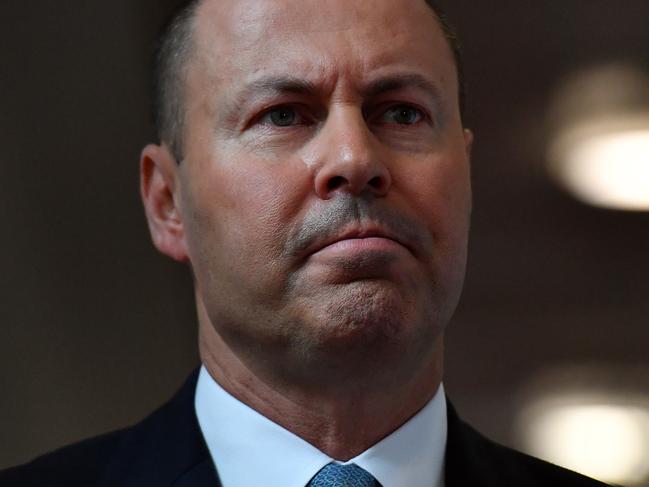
441	193
441	196
244	210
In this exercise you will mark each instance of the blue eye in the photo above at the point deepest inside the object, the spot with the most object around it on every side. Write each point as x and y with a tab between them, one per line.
283	116
402	115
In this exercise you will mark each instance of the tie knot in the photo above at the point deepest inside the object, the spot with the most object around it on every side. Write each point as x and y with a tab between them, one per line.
337	475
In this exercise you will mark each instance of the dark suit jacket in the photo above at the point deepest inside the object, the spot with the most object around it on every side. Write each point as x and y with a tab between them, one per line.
167	449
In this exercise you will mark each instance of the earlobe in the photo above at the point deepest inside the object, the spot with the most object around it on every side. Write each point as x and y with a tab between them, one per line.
160	193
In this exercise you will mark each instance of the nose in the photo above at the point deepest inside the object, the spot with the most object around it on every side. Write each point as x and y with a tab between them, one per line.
348	158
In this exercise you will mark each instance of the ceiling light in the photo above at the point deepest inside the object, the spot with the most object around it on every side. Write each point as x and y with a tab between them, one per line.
607	169
600	147
609	442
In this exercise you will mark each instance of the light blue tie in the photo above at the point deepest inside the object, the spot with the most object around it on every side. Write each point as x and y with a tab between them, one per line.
337	475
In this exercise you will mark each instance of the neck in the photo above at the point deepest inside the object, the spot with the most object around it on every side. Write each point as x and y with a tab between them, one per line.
341	421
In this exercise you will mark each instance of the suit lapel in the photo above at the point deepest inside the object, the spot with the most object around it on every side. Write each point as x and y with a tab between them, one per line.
201	475
166	449
468	458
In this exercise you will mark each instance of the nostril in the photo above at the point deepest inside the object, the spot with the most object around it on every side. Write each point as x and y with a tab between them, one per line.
376	182
335	183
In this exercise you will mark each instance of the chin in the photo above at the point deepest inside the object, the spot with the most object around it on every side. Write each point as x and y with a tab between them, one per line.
366	329
365	314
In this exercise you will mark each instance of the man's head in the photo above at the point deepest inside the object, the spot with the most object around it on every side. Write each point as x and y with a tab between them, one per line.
174	51
323	199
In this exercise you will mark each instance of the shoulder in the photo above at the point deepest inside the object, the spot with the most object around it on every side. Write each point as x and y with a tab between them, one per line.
81	464
162	448
473	459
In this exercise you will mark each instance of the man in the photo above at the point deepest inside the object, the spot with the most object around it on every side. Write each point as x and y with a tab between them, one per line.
313	172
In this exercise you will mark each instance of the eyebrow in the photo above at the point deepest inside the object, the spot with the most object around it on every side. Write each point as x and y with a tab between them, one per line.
279	84
269	86
289	84
403	81
275	85
265	87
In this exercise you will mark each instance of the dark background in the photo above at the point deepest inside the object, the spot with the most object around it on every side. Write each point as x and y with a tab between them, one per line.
97	329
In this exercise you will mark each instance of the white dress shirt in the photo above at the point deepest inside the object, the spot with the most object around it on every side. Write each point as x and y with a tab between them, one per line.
249	450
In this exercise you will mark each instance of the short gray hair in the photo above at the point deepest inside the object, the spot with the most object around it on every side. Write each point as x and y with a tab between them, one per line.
172	54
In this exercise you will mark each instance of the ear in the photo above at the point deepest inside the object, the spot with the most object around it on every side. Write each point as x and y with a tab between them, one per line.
159	189
468	142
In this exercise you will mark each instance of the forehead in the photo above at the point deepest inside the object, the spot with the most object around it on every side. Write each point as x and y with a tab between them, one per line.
237	40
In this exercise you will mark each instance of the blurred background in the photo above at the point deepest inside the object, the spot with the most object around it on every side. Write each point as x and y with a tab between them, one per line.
548	351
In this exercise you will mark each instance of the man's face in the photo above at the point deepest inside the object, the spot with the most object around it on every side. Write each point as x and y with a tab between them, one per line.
324	194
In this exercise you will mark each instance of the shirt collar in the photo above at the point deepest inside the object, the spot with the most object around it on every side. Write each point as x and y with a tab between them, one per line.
249	449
